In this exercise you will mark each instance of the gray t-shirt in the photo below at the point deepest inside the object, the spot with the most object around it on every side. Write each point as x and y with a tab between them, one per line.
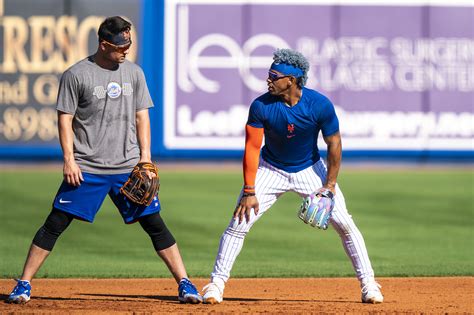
104	104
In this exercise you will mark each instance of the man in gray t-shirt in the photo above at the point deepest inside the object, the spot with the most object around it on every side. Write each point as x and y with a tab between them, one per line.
105	105
104	131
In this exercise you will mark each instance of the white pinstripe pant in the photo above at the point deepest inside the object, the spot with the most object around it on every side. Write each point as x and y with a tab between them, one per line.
270	184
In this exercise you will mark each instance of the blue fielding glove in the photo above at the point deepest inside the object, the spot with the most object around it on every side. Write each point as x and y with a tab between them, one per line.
316	209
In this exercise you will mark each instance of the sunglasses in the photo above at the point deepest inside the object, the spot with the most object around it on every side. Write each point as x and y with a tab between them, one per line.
274	76
120	49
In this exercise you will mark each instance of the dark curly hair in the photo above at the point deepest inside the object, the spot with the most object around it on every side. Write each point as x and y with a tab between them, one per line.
112	26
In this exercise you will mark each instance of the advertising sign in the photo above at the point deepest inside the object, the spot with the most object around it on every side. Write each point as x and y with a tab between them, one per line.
40	40
401	74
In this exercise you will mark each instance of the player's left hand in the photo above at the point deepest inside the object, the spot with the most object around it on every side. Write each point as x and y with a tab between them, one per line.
245	207
140	187
150	175
325	188
317	208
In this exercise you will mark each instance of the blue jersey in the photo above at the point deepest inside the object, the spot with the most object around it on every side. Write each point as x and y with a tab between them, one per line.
291	133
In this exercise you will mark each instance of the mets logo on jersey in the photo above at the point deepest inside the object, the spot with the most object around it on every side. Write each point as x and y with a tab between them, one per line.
291	130
113	90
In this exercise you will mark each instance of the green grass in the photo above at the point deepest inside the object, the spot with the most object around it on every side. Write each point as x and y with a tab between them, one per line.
415	223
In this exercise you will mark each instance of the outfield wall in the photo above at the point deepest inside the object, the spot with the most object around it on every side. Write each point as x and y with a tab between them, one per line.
401	73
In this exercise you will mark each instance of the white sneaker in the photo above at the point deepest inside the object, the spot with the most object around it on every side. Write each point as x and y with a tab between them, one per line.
371	292
212	293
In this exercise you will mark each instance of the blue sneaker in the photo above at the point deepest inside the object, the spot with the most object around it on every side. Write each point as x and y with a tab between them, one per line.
187	292
21	293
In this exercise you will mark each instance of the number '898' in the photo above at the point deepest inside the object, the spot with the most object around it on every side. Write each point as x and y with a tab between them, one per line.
25	124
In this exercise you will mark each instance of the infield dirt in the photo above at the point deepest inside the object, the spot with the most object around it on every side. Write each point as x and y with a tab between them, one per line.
310	295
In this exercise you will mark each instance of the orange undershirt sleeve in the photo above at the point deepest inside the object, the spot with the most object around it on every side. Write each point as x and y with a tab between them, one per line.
253	142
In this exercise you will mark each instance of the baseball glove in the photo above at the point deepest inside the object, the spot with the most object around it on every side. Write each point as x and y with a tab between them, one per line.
316	209
139	188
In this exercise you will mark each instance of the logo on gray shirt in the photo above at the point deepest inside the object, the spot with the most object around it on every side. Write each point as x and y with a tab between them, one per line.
113	90
99	91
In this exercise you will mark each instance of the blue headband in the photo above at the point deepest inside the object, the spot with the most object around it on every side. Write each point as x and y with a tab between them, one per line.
118	39
287	69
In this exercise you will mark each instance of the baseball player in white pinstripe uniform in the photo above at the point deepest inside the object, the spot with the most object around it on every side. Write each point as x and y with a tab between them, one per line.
290	118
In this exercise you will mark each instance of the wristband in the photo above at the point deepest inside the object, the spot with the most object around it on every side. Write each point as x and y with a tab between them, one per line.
249	189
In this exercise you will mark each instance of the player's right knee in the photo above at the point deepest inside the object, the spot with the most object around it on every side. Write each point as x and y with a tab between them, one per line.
52	228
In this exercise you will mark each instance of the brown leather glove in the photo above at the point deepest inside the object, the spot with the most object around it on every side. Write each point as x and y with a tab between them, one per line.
140	188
